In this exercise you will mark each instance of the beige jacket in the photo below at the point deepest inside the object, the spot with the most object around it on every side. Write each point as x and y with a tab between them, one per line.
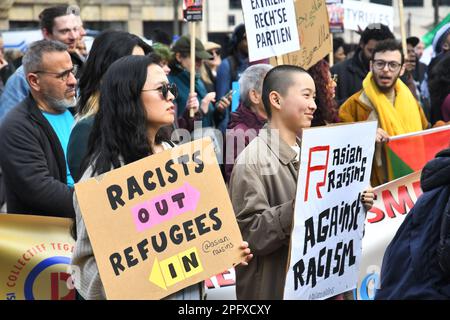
262	189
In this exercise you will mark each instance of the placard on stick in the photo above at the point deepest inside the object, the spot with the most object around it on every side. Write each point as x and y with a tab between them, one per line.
193	10
161	223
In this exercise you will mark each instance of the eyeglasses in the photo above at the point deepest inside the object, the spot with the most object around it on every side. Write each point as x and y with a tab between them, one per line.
62	75
165	88
380	64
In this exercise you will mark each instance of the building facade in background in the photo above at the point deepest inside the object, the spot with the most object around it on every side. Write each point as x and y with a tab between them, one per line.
221	16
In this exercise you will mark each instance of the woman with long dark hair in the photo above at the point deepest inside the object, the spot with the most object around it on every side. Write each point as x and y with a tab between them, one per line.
107	48
136	101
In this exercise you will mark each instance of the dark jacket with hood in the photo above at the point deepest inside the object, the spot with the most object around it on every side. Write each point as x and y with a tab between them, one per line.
416	264
33	164
351	73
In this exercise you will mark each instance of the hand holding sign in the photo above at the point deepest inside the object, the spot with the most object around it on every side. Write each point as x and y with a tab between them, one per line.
329	217
164	232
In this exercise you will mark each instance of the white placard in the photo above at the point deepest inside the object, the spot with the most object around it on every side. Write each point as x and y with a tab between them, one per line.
271	28
361	14
335	169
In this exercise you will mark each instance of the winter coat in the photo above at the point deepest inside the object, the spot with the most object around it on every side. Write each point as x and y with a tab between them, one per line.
262	189
243	119
350	76
416	264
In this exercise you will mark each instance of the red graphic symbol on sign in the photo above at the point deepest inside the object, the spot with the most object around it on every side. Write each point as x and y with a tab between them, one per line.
317	168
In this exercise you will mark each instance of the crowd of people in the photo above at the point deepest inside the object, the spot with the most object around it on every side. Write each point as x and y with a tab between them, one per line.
67	115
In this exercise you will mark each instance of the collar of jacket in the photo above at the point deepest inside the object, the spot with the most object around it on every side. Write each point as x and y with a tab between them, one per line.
277	145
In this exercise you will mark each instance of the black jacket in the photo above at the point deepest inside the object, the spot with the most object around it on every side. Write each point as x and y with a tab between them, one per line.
33	164
416	264
351	73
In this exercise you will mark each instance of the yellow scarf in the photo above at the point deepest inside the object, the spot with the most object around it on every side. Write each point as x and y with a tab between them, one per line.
403	117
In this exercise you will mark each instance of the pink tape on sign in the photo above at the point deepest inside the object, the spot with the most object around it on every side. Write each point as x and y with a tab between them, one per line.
165	207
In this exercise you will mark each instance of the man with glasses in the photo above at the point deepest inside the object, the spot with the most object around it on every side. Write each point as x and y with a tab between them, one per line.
61	23
35	135
386	99
351	72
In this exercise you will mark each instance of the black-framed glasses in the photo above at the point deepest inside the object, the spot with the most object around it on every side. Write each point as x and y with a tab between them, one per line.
165	88
62	75
380	64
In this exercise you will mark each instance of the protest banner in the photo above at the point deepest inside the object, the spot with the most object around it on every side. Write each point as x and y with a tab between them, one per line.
270	27
314	32
35	253
358	16
161	223
325	250
409	152
393	202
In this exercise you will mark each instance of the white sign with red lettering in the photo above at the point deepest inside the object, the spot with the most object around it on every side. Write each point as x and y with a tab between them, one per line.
335	166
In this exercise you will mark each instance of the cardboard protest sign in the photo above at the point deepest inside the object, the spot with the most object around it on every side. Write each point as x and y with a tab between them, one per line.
270	27
161	223
335	165
35	253
358	16
314	32
394	201
192	10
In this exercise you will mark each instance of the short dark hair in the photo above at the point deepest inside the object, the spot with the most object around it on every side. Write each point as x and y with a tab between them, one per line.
47	16
32	60
376	31
388	45
278	79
